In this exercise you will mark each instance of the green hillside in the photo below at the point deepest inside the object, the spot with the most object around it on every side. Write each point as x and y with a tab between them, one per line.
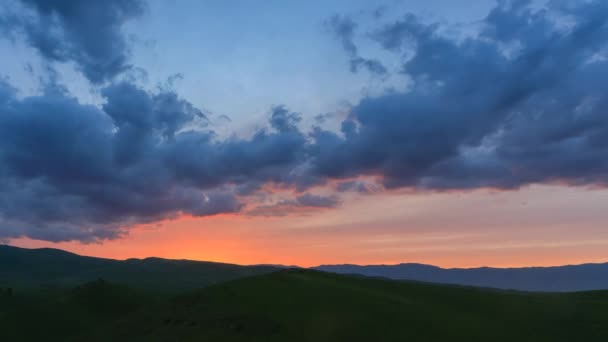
48	268
304	305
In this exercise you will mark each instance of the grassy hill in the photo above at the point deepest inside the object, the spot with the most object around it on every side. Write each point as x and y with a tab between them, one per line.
304	305
46	267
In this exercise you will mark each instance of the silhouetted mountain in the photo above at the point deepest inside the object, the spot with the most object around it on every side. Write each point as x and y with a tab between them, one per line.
551	279
52	267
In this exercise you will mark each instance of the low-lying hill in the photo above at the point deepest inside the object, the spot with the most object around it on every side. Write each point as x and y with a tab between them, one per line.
52	267
304	305
569	278
59	314
45	267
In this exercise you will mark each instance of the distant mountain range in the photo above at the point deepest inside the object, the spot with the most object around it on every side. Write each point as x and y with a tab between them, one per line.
569	278
47	267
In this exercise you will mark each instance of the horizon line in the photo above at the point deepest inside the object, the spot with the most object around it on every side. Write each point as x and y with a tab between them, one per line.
278	265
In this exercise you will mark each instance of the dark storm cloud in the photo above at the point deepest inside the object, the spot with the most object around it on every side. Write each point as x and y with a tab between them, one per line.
84	172
283	120
86	32
521	102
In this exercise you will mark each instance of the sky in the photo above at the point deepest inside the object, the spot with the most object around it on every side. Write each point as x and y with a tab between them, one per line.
307	133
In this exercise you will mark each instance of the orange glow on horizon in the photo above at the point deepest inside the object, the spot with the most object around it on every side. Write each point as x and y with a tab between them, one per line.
528	227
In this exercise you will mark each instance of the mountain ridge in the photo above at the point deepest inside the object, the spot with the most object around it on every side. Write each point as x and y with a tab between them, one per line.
567	278
459	268
49	267
52	266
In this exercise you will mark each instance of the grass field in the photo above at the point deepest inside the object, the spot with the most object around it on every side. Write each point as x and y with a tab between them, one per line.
303	305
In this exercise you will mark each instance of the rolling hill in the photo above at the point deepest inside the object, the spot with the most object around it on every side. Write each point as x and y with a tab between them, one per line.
304	305
46	267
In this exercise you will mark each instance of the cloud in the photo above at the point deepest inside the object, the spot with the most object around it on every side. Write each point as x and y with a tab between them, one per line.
284	121
88	33
344	29
300	204
520	102
75	171
317	201
361	187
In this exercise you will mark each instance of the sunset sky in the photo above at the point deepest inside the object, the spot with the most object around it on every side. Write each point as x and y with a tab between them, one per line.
307	133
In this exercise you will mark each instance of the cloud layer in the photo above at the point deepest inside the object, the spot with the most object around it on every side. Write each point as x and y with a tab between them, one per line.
87	33
521	101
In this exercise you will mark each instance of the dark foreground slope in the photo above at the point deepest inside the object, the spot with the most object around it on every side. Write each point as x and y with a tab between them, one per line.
46	267
568	278
303	305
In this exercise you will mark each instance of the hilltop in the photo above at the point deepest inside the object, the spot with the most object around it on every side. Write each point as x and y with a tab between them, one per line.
46	267
304	305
